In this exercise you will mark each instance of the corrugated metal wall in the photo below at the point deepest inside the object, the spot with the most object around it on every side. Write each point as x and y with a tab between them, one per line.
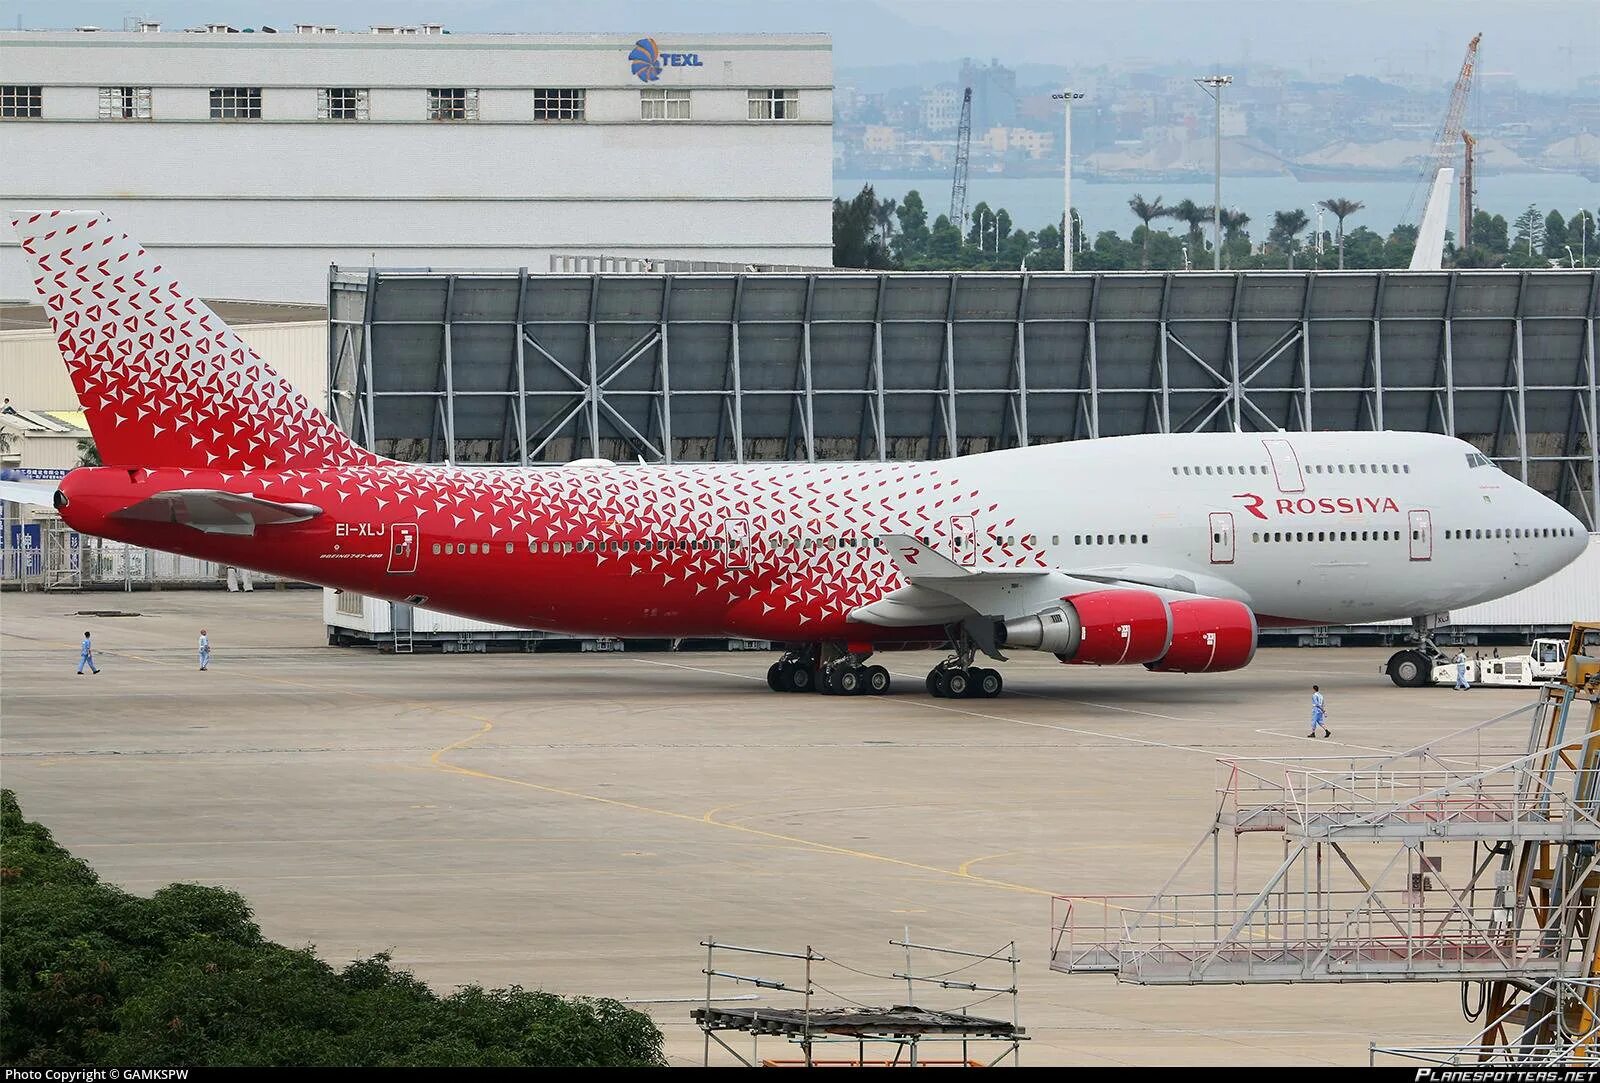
1571	594
33	376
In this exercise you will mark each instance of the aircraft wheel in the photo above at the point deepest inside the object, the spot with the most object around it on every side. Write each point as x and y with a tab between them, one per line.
775	676
1410	669
956	682
801	678
849	681
877	680
987	683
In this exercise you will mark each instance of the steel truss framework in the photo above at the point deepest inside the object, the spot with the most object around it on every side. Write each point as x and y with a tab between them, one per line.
518	368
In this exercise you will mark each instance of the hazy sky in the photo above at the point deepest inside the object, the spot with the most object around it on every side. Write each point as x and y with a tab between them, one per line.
1544	44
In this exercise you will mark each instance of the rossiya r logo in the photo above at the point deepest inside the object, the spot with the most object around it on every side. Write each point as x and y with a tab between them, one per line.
646	60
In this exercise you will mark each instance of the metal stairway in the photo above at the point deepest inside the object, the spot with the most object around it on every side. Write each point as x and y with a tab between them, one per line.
1480	862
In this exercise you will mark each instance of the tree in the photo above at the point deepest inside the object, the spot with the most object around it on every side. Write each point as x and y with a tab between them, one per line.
95	976
1529	236
1194	214
1285	233
1555	236
1341	209
912	243
1146	213
883	212
1399	245
944	242
855	239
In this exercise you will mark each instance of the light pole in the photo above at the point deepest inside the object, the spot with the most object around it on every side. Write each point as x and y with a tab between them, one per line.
1571	259
1067	96
1213	84
1584	244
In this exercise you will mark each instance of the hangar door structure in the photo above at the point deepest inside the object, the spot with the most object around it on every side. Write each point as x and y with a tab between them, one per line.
517	368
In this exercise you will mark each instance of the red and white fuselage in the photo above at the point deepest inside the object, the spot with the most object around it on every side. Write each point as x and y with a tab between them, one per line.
1164	550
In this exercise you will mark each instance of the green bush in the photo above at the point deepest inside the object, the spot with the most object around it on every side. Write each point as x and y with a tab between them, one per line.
90	974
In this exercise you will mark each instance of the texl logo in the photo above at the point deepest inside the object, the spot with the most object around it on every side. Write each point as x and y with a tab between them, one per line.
646	60
1252	504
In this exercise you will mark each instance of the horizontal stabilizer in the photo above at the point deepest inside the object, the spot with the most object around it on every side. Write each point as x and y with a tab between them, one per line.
213	511
28	492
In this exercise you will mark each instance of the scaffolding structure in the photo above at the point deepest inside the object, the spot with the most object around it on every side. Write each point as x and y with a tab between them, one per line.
817	1018
1480	864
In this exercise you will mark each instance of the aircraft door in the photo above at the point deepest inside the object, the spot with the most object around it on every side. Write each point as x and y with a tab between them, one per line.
964	539
1285	466
1222	537
736	538
1421	524
404	544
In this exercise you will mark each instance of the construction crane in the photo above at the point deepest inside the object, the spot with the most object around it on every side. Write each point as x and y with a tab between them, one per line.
1437	174
1468	192
958	188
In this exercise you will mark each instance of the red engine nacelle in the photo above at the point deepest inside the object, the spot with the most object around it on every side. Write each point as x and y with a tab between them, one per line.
1209	635
1120	627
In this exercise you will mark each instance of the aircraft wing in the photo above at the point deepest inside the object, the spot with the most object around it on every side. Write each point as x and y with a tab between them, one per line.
940	591
30	493
213	511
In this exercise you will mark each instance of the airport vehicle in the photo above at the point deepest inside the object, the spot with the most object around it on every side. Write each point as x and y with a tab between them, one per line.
1164	550
1544	663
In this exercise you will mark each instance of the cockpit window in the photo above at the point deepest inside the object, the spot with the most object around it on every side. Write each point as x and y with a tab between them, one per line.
1476	459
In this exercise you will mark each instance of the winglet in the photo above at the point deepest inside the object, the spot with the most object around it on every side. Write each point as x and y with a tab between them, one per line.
916	561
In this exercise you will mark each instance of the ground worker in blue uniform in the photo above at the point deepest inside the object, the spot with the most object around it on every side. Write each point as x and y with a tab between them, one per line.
205	651
1461	670
1318	713
86	656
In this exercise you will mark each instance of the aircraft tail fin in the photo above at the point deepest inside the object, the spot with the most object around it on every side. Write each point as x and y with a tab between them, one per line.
163	380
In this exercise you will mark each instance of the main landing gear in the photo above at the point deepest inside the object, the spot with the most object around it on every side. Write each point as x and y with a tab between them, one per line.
957	678
843	674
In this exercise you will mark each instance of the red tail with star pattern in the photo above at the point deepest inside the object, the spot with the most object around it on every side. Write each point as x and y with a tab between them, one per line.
164	382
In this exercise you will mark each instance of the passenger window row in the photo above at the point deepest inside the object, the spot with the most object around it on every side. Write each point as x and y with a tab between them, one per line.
1359	468
1220	470
1510	532
1275	536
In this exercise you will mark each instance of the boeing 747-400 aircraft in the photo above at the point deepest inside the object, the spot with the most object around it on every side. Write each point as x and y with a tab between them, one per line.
1167	551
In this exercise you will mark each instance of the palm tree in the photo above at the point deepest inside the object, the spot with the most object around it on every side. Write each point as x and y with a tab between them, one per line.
1146	212
1233	223
1286	227
1191	212
1341	209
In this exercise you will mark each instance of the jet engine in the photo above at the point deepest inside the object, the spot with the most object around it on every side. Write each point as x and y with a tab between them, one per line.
1116	627
1103	628
1209	635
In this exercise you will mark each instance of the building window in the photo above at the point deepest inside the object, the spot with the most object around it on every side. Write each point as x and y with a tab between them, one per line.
663	104
236	103
447	103
124	103
774	104
21	101
558	104
341	103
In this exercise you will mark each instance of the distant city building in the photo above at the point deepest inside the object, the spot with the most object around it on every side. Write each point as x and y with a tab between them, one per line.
251	161
941	109
882	139
994	94
1021	141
